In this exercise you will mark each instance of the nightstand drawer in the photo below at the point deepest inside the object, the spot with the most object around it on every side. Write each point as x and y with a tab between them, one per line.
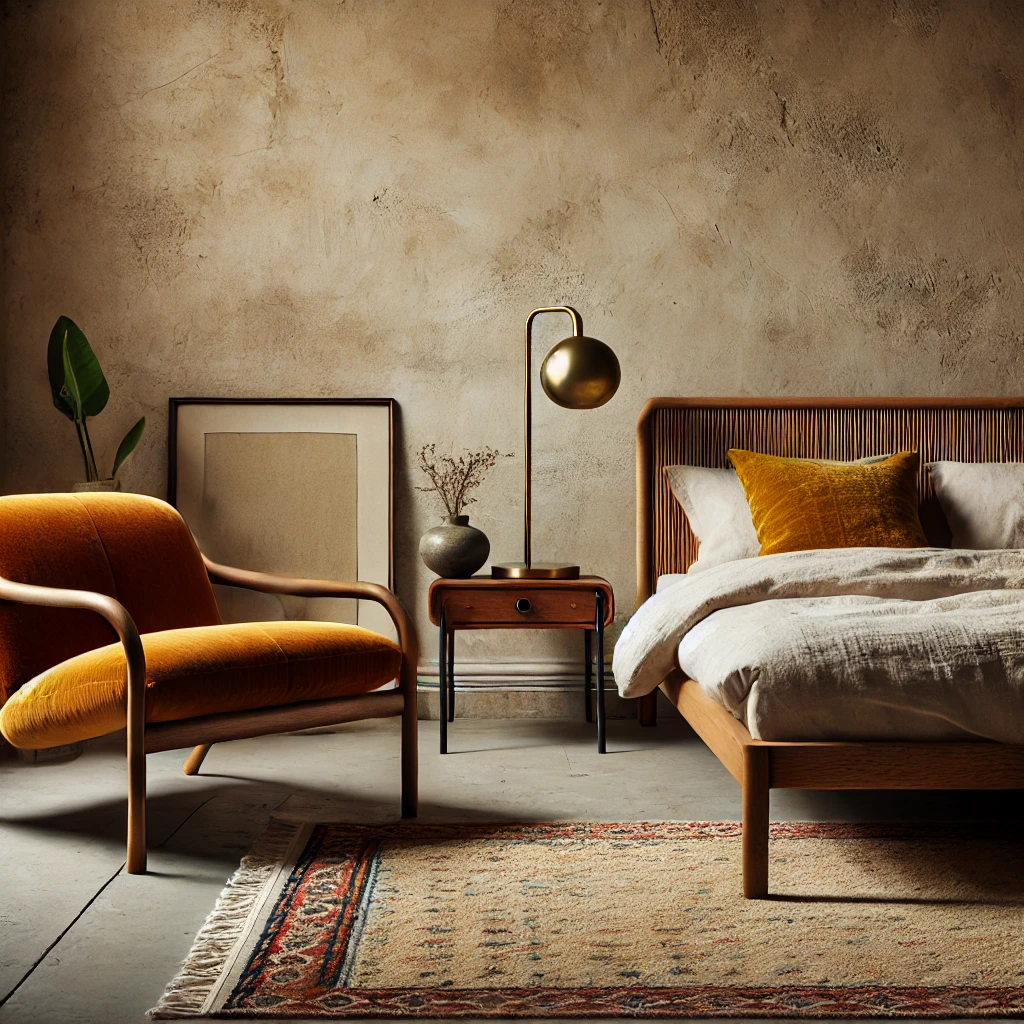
519	608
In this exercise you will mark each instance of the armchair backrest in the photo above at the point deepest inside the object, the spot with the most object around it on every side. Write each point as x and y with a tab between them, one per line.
131	547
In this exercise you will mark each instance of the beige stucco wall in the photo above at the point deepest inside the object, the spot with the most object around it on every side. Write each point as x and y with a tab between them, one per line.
263	197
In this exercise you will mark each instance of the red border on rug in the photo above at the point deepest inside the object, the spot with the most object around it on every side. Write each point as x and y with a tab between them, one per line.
654	1003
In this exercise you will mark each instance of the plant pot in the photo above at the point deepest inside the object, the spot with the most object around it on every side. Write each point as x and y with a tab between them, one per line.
51	755
454	550
96	485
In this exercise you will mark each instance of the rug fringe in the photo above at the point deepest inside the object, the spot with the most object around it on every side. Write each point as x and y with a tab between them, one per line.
187	994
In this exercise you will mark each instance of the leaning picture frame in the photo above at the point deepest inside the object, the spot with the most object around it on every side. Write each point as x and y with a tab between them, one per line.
298	486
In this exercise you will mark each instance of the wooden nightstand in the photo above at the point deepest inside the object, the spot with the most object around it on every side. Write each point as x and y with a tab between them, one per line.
482	602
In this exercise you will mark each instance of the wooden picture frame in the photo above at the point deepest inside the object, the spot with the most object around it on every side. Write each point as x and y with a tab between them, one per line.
699	431
294	486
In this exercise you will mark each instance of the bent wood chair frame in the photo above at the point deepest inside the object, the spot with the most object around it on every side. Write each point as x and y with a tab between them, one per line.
201	732
700	432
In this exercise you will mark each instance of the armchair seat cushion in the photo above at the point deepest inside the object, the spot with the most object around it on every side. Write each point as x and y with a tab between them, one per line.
196	671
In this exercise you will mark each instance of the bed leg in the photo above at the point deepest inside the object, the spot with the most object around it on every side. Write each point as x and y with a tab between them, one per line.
647	708
755	821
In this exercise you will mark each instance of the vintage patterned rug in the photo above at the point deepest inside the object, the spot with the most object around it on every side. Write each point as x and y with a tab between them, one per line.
631	920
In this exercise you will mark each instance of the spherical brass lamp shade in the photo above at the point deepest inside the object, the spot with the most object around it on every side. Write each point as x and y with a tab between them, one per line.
580	373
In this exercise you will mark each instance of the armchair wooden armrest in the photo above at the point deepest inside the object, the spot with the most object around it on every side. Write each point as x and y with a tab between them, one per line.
117	615
86	600
270	583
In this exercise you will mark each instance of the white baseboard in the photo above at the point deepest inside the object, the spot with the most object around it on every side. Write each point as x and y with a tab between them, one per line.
514	675
499	701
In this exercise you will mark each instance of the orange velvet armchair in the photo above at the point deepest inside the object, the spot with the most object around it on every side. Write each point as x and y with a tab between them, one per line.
108	619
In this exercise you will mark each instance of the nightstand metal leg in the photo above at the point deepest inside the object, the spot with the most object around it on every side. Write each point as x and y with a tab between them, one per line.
599	630
588	677
451	675
442	681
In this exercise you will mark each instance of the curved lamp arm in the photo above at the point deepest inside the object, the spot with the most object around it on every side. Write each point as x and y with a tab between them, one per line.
577	328
269	583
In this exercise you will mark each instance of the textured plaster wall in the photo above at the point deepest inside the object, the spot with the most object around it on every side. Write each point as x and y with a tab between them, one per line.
262	197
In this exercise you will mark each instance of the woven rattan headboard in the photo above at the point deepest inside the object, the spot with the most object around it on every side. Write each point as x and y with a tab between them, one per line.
699	432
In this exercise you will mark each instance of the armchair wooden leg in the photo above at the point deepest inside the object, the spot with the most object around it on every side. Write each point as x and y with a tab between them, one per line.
136	859
755	822
194	761
136	804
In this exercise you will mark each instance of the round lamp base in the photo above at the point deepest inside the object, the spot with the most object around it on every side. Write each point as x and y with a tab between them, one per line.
536	571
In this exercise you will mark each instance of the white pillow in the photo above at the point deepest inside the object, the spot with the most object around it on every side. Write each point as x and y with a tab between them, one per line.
717	511
983	502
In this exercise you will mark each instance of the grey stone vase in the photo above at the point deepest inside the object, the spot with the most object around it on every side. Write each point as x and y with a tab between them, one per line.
454	549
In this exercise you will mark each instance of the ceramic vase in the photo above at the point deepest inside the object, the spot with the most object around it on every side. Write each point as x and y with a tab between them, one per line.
454	550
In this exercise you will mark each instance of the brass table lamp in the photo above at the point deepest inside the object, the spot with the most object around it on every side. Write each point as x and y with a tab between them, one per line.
578	373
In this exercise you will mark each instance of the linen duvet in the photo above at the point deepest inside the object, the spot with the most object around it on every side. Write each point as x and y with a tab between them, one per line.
844	644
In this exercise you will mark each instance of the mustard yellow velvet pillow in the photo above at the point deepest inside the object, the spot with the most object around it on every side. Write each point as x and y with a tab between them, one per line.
797	505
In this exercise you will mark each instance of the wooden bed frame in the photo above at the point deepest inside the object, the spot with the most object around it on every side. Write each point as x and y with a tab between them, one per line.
699	431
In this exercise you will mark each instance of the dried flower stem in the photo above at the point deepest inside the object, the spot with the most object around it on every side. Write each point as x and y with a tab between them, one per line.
453	478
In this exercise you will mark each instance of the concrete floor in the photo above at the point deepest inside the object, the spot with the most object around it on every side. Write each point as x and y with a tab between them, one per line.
81	941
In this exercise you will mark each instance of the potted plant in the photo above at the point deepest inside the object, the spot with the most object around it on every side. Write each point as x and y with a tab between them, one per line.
79	391
455	549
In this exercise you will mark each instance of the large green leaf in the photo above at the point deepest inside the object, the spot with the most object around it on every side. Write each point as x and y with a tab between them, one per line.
55	365
71	389
92	385
127	445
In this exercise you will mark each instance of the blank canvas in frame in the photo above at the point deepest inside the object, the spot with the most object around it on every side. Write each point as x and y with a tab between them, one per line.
297	488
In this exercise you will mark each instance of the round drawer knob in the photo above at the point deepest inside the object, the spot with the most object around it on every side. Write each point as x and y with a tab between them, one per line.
523	605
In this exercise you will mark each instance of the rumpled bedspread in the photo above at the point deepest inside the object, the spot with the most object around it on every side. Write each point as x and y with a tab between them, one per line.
853	643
